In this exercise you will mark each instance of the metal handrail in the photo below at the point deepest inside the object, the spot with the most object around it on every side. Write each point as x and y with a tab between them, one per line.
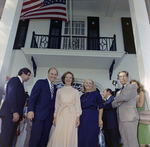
78	42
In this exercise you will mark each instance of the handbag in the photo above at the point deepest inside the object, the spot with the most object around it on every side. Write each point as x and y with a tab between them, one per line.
144	117
101	139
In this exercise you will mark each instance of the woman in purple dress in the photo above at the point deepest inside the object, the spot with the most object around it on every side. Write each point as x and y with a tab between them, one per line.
91	118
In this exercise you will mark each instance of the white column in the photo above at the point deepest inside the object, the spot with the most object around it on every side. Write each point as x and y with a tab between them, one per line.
8	27
141	30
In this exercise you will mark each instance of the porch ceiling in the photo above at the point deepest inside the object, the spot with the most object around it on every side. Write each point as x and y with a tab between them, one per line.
106	6
73	58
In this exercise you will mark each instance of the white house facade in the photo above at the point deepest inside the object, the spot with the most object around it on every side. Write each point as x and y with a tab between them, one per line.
97	52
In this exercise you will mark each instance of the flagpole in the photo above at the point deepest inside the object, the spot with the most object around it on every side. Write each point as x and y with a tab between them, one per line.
70	15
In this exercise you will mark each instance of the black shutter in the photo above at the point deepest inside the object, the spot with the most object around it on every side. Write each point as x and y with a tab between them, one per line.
93	33
21	34
55	34
128	37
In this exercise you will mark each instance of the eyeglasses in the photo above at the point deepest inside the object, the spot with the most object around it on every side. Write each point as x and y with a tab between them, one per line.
124	76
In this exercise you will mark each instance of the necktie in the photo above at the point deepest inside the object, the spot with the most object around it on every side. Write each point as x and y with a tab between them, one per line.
122	88
52	90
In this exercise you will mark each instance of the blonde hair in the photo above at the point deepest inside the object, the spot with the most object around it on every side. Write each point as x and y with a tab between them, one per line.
83	87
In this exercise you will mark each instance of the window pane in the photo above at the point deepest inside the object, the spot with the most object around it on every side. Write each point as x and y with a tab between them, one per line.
76	31
79	31
66	24
66	30
82	24
82	31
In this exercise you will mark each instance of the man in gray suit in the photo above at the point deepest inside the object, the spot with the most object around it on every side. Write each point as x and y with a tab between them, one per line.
127	113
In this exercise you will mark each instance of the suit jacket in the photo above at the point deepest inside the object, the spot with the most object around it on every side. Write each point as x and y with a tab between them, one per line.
127	110
110	115
14	98
40	101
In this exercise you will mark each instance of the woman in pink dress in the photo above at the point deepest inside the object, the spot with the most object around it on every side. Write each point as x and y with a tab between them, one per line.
66	115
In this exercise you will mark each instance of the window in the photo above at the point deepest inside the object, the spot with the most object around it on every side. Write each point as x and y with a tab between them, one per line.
78	28
78	39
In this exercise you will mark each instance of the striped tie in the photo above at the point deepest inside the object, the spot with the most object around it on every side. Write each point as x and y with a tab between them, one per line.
52	90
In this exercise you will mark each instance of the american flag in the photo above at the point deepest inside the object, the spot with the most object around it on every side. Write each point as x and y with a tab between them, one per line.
44	9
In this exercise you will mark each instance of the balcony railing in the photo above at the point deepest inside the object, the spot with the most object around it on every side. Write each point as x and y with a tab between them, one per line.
74	42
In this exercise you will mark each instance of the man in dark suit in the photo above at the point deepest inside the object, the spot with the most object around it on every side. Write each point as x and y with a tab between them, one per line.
111	131
127	114
41	109
12	109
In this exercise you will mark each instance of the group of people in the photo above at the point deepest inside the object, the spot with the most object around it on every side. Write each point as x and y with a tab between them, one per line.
61	118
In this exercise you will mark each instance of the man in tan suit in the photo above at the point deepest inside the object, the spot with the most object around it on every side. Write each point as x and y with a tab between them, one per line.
127	113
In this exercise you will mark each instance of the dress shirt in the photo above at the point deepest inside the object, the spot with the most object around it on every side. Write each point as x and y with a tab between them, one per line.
107	100
108	97
20	79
